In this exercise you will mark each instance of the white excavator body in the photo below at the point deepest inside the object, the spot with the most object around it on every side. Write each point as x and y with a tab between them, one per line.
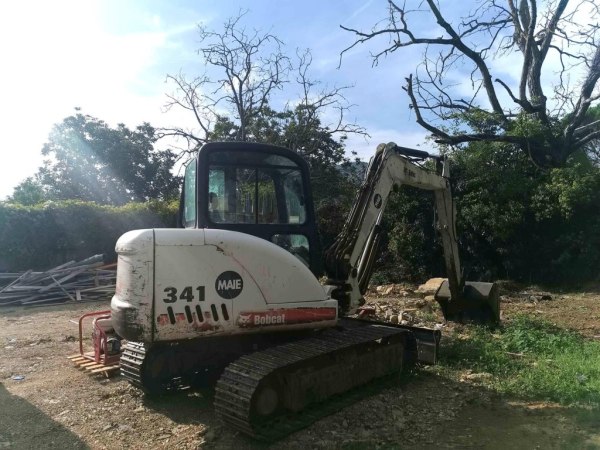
184	283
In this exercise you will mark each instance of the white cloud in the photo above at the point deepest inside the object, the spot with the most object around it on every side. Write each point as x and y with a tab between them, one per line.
62	57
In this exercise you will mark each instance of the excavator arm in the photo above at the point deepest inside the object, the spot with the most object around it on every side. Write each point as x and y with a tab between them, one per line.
349	262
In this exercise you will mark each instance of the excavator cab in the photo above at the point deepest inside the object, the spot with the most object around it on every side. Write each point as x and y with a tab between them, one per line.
258	189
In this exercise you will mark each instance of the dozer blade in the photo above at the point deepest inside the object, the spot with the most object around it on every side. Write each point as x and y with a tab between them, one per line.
478	302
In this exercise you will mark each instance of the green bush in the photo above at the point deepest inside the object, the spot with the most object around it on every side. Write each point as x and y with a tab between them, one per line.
514	221
409	246
42	236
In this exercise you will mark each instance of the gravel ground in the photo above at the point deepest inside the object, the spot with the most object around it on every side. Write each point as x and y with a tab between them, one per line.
59	406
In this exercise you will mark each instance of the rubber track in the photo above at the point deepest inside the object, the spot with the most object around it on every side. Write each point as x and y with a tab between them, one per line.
241	378
131	362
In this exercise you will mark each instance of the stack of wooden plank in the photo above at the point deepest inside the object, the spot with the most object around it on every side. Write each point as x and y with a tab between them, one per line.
87	363
87	280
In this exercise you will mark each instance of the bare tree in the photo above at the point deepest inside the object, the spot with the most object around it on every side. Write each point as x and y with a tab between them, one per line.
519	110
242	70
230	100
317	100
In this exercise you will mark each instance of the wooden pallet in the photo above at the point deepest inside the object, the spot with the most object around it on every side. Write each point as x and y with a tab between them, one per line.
92	367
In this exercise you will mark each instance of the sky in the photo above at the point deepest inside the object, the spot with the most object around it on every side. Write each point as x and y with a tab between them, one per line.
111	58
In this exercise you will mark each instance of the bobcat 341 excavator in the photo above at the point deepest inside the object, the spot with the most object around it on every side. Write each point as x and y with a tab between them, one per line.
233	297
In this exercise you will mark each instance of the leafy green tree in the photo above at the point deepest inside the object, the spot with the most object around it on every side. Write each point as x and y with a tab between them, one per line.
499	232
29	192
90	161
514	220
523	223
592	119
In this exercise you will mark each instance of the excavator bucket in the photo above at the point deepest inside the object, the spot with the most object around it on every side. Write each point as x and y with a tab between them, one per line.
478	302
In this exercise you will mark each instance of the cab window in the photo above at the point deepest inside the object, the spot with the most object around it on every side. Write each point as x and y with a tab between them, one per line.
189	205
248	189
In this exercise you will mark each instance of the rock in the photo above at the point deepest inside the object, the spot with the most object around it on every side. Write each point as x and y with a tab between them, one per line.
388	290
394	318
125	428
405	314
429	298
421	303
430	287
481	376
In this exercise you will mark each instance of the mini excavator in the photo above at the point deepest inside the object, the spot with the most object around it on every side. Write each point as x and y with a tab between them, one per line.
232	299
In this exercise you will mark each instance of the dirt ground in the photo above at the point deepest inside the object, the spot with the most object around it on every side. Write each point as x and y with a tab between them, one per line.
59	406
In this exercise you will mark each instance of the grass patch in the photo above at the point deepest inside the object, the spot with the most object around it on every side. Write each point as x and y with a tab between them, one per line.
530	358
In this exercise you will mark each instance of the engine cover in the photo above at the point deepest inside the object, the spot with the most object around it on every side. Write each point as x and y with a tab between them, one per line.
177	284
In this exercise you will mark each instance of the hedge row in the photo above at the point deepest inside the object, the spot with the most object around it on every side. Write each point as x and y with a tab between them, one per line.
49	234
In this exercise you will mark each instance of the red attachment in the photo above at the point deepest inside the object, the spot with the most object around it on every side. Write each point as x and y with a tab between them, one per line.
99	338
365	311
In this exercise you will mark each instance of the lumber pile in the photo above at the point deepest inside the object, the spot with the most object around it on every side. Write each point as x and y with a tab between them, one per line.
87	280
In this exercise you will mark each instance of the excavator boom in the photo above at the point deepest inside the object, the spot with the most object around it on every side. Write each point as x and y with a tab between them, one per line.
349	262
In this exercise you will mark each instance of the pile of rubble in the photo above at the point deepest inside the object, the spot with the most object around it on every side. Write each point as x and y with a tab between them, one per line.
403	304
87	280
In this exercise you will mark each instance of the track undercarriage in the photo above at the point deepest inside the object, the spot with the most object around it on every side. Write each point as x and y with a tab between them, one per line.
263	388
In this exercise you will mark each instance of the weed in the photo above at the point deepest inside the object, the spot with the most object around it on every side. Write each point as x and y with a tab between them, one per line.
532	359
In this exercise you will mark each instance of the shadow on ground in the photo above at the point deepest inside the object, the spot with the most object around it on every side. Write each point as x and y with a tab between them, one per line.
23	426
425	411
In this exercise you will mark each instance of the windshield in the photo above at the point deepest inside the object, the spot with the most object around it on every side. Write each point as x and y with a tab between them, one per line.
255	188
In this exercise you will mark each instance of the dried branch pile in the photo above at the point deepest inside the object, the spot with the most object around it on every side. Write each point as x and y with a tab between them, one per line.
87	280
